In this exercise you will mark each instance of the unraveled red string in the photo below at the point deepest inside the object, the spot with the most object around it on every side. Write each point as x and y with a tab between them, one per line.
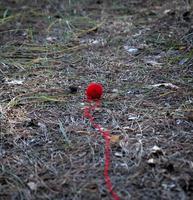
106	135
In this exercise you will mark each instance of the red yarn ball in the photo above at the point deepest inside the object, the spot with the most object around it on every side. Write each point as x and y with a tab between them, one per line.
94	91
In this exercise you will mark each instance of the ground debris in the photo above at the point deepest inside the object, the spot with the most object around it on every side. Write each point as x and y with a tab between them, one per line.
141	52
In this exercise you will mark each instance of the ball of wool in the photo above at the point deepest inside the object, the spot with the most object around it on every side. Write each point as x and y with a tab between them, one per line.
94	91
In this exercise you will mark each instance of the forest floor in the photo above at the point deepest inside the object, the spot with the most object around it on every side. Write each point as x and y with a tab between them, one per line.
142	53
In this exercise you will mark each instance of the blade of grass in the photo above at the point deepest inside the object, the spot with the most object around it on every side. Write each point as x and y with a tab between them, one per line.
63	131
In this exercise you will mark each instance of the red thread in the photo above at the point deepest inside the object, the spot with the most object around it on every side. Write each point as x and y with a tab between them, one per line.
94	92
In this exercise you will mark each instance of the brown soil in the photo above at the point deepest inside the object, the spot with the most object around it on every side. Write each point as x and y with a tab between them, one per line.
142	53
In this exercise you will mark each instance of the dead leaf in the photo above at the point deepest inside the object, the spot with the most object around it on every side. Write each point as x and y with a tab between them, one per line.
51	39
189	115
118	154
167	11
155	150
167	85
131	50
15	82
115	139
128	128
32	185
151	162
133	117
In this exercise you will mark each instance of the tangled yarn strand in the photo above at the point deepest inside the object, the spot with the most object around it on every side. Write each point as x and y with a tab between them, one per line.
106	136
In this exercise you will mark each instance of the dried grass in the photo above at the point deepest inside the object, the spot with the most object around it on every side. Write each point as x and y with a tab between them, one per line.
47	149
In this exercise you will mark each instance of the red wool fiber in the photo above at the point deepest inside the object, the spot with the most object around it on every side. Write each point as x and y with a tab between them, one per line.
94	92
